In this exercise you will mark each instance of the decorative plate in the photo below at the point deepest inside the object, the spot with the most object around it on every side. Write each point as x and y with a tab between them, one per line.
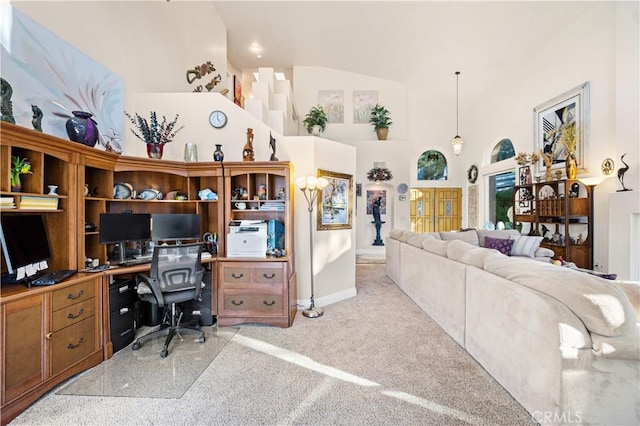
403	188
607	166
122	191
150	194
472	174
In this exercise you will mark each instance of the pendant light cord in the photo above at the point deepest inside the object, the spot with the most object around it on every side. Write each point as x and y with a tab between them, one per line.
457	101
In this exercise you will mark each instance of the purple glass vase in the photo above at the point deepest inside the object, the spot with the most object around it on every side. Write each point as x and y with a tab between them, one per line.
82	128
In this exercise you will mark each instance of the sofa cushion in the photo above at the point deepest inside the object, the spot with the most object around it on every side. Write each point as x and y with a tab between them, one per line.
435	246
544	252
503	245
470	236
495	233
417	239
476	256
456	248
601	306
525	245
623	347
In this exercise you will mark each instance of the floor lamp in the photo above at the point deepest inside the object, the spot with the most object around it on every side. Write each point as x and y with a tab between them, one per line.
310	187
591	182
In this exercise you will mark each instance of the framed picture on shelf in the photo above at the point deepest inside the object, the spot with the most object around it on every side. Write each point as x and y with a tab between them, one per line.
335	201
569	110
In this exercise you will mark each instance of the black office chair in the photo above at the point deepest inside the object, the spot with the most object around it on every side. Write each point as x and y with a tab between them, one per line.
175	277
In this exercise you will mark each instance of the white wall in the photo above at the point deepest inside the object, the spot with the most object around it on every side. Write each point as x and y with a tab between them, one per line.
138	40
307	81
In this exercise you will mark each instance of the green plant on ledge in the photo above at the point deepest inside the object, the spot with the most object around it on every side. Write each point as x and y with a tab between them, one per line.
381	121
315	117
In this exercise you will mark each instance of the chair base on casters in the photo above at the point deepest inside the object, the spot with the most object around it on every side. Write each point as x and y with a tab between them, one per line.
169	331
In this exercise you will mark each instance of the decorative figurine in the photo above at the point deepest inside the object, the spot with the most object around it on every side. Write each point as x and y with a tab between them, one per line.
6	108
272	145
200	71
548	162
247	151
37	118
621	172
377	221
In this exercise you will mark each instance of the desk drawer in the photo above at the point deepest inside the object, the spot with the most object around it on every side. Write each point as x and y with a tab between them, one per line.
122	293
237	275
269	275
72	314
73	294
251	304
72	344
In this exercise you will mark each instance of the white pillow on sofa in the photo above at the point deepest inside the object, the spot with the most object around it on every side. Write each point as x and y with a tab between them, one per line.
524	245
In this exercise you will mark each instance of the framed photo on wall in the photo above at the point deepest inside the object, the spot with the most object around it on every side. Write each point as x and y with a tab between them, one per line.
373	195
237	91
553	117
335	201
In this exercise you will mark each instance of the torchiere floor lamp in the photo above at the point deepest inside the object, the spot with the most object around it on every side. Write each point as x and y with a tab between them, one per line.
310	187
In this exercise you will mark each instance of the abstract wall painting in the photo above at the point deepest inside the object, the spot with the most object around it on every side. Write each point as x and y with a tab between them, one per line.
332	102
363	101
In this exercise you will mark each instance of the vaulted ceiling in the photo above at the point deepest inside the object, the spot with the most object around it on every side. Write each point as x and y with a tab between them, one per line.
420	43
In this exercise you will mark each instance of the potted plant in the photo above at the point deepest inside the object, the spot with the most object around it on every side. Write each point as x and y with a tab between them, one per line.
381	121
316	120
19	166
155	134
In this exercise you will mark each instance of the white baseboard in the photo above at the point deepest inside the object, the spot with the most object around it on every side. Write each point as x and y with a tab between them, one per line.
372	252
330	299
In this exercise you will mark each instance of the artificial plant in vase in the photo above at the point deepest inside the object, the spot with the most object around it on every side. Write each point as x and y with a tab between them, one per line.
381	121
19	166
316	120
153	133
569	137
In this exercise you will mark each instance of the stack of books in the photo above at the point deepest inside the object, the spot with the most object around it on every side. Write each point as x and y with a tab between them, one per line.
38	203
272	205
7	203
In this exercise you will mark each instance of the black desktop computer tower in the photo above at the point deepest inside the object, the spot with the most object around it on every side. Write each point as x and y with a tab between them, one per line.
200	310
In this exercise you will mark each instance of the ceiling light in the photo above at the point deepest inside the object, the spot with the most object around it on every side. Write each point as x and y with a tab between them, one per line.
457	141
279	76
259	56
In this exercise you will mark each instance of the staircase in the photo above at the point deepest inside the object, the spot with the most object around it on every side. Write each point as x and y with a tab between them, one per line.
272	103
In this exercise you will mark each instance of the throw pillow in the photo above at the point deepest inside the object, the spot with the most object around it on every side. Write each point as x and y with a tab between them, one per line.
525	245
503	245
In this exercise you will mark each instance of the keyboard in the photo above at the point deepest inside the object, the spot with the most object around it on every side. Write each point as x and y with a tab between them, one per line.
54	277
133	262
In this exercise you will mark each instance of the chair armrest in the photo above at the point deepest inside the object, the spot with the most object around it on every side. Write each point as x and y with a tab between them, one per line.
152	283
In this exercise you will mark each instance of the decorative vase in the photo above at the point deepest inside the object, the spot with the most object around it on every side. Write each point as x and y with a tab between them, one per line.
82	128
382	133
571	165
16	185
190	153
53	189
218	155
155	150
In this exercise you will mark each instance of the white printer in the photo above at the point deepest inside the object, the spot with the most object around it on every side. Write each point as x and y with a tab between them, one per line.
247	238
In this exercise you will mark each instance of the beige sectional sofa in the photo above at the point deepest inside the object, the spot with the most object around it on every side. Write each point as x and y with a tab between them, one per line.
564	343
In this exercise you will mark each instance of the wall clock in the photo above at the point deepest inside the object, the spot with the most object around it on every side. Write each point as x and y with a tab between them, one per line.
218	119
472	174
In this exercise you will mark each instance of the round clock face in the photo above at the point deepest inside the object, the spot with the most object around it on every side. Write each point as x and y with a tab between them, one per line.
218	119
403	188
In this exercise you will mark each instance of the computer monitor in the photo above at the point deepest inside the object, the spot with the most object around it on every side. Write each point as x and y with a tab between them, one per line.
25	245
175	227
120	228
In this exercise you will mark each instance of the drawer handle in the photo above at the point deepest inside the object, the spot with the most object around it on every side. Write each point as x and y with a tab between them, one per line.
70	296
273	302
49	336
269	276
123	289
71	316
127	331
237	303
70	346
233	274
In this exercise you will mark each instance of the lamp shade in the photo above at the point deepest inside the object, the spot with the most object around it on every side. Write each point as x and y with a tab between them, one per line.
457	143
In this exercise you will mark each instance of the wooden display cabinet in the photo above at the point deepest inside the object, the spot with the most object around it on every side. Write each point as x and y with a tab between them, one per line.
561	212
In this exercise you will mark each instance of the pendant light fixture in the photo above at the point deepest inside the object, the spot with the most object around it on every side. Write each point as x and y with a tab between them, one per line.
457	141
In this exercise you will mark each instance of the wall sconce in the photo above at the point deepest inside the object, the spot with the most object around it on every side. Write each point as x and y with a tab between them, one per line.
310	187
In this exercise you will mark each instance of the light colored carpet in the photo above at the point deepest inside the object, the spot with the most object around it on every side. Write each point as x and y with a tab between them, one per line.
138	373
375	359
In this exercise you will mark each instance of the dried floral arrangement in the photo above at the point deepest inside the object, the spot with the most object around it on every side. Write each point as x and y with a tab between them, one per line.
522	158
152	132
379	174
569	137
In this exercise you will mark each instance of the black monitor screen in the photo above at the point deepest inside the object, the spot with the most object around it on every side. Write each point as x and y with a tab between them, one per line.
24	240
175	227
122	227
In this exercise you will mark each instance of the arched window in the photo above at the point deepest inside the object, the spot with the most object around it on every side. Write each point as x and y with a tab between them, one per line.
502	151
432	165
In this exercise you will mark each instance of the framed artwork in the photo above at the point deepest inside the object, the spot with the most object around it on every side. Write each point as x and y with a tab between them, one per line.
335	201
373	195
363	101
237	91
552	118
332	102
358	190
